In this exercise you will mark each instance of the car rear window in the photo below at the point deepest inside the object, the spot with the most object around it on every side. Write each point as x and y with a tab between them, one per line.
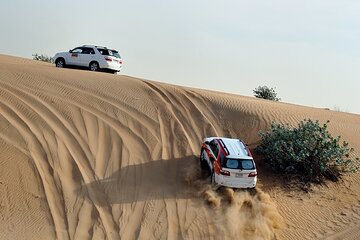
109	52
247	164
115	53
232	163
244	164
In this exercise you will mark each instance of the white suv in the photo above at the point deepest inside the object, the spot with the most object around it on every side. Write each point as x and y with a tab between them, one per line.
93	57
229	161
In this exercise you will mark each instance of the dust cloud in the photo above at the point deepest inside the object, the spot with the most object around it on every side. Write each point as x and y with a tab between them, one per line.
237	214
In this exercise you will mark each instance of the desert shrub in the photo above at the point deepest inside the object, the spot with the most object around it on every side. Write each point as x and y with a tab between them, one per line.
266	93
43	58
307	152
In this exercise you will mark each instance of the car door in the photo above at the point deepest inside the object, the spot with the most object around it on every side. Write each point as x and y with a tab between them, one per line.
75	57
87	55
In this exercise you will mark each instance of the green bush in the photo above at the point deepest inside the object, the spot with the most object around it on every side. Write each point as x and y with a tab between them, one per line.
43	58
266	93
308	152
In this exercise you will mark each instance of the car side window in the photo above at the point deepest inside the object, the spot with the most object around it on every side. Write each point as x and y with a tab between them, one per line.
104	51
77	50
88	51
212	145
215	148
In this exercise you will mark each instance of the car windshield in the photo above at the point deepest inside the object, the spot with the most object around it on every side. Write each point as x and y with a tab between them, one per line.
109	52
243	164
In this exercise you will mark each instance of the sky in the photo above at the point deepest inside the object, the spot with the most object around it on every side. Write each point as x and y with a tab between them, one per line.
308	51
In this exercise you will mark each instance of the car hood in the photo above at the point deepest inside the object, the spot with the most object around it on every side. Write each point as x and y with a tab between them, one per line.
61	53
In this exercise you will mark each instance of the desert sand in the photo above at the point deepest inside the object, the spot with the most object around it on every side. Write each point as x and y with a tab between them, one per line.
98	156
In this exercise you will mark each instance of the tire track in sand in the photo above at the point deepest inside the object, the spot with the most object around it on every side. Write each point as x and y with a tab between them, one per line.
79	157
39	156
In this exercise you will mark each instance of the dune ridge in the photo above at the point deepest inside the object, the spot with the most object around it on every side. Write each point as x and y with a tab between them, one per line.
96	156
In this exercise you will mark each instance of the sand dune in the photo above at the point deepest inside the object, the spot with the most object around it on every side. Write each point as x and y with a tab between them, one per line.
98	156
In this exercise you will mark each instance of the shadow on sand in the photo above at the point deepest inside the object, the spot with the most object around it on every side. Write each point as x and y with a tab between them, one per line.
158	179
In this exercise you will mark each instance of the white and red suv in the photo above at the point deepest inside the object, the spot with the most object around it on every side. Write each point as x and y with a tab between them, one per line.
229	162
95	58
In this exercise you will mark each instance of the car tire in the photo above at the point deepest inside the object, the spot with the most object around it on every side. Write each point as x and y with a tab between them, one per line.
252	191
203	163
212	178
94	66
205	168
60	63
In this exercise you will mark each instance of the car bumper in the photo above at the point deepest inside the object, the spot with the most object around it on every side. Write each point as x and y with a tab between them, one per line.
115	66
237	183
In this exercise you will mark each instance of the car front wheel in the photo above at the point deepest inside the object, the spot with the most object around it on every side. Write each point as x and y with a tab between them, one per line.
203	163
94	66
205	168
60	63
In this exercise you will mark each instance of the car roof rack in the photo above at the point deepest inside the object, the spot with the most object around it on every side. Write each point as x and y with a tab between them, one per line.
87	45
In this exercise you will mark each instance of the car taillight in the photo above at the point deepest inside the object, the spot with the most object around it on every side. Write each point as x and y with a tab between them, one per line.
252	174
108	59
224	172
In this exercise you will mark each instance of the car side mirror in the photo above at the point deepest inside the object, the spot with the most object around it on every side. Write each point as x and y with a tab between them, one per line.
70	51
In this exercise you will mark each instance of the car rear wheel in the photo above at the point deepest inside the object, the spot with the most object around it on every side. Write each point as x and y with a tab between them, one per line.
60	63
94	66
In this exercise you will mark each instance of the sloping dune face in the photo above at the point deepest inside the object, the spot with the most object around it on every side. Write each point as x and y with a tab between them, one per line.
95	156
